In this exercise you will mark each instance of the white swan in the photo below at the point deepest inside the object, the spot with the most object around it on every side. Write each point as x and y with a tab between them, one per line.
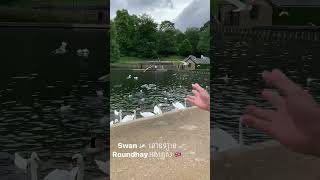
178	105
65	108
116	113
99	93
157	110
149	86
79	52
61	49
20	162
83	52
113	122
33	163
104	78
309	80
240	132
103	166
284	13
129	77
240	5
222	140
77	173
135	78
146	114
128	118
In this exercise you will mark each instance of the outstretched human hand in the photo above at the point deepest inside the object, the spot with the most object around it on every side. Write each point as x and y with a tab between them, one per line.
295	122
201	97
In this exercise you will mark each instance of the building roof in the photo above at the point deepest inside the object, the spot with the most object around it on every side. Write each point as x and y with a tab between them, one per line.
301	3
203	60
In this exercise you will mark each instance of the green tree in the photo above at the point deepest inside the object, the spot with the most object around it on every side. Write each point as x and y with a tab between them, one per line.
204	41
180	37
185	48
114	46
146	37
192	34
167	39
126	30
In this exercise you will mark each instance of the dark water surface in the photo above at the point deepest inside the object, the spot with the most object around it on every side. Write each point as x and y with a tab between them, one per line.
170	86
244	61
33	86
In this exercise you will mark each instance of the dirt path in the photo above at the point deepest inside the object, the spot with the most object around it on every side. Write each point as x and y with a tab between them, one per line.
189	129
264	161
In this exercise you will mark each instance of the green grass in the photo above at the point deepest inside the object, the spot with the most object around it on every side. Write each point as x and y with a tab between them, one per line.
172	58
130	60
136	60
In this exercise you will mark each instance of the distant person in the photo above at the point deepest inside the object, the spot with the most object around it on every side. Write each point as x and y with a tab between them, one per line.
201	97
295	121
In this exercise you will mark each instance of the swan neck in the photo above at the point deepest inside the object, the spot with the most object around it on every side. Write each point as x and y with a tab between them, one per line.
33	169
240	132
80	174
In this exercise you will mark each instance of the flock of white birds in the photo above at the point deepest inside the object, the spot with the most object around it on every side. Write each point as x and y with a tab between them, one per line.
76	172
63	49
156	109
33	163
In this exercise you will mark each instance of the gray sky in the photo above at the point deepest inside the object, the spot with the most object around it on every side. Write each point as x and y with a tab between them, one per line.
185	13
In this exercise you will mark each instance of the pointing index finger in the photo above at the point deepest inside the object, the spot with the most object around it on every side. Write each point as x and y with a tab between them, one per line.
280	81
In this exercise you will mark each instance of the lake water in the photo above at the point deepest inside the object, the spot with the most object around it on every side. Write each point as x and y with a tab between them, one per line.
169	86
34	83
243	62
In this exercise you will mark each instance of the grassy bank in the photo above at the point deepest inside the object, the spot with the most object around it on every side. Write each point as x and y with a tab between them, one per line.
137	60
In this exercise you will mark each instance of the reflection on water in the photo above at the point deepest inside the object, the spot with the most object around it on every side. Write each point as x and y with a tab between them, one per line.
31	119
170	86
34	83
244	62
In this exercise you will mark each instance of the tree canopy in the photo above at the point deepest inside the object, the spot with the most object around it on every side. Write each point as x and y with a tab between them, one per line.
141	36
